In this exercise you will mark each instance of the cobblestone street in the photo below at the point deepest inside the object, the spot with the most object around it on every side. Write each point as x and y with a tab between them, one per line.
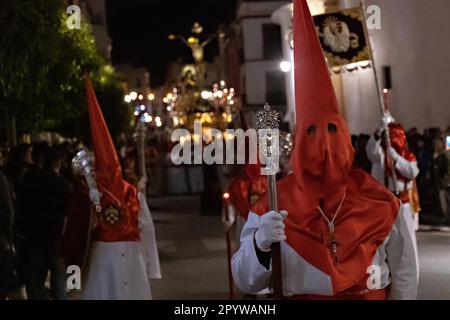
192	250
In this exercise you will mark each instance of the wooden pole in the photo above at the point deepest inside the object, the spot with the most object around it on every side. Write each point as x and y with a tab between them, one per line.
381	98
277	277
227	235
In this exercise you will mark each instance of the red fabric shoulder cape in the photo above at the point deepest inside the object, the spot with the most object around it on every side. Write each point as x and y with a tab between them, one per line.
366	218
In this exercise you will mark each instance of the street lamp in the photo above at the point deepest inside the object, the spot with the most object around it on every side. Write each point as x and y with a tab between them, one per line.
285	66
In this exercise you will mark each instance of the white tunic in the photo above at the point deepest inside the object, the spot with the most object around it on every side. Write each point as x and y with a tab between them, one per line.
408	169
121	270
394	258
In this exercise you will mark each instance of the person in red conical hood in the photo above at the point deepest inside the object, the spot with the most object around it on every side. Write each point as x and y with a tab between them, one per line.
122	237
118	220
406	170
341	233
400	146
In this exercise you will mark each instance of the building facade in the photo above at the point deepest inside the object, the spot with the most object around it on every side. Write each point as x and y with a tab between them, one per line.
410	30
261	79
94	12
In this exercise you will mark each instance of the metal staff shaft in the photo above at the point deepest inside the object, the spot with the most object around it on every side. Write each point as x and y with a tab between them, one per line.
383	106
141	132
268	119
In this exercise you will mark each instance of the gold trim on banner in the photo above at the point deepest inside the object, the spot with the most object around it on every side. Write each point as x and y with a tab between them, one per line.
335	60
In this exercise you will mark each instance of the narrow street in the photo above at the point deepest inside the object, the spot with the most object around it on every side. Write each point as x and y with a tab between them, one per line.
192	250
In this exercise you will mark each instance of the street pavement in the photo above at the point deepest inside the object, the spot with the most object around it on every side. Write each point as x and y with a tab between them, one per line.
192	251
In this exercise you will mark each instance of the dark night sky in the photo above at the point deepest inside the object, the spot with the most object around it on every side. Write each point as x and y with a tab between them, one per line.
139	30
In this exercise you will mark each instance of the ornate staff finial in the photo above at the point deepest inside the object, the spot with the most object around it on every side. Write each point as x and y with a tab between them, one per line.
267	119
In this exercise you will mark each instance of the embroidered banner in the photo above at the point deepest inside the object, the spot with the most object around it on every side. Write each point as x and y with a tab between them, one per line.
342	36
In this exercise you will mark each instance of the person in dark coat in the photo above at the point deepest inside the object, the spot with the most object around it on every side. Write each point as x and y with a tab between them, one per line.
439	170
44	197
8	270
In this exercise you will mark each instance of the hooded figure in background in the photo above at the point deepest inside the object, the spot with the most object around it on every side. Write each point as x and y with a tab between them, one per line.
121	256
342	234
406	169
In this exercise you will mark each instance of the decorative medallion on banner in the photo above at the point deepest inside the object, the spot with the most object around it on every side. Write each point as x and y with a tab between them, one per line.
342	36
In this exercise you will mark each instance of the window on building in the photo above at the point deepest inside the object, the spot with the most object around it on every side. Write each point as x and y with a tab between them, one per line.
272	41
275	88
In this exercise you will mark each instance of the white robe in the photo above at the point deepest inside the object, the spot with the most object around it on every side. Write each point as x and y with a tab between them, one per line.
395	259
122	270
408	169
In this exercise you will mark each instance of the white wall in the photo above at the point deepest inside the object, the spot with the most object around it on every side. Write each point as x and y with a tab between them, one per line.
414	41
283	17
252	32
258	8
255	80
253	15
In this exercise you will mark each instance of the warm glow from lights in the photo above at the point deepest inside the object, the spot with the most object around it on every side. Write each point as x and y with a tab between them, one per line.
196	137
192	40
142	107
136	113
204	117
228	136
165	100
169	108
147	117
385	90
206	94
140	97
127	98
151	96
285	66
133	95
226	196
169	96
222	83
158	121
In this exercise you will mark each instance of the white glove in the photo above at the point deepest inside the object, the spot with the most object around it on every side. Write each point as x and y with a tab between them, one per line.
271	230
393	154
95	196
142	183
385	121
